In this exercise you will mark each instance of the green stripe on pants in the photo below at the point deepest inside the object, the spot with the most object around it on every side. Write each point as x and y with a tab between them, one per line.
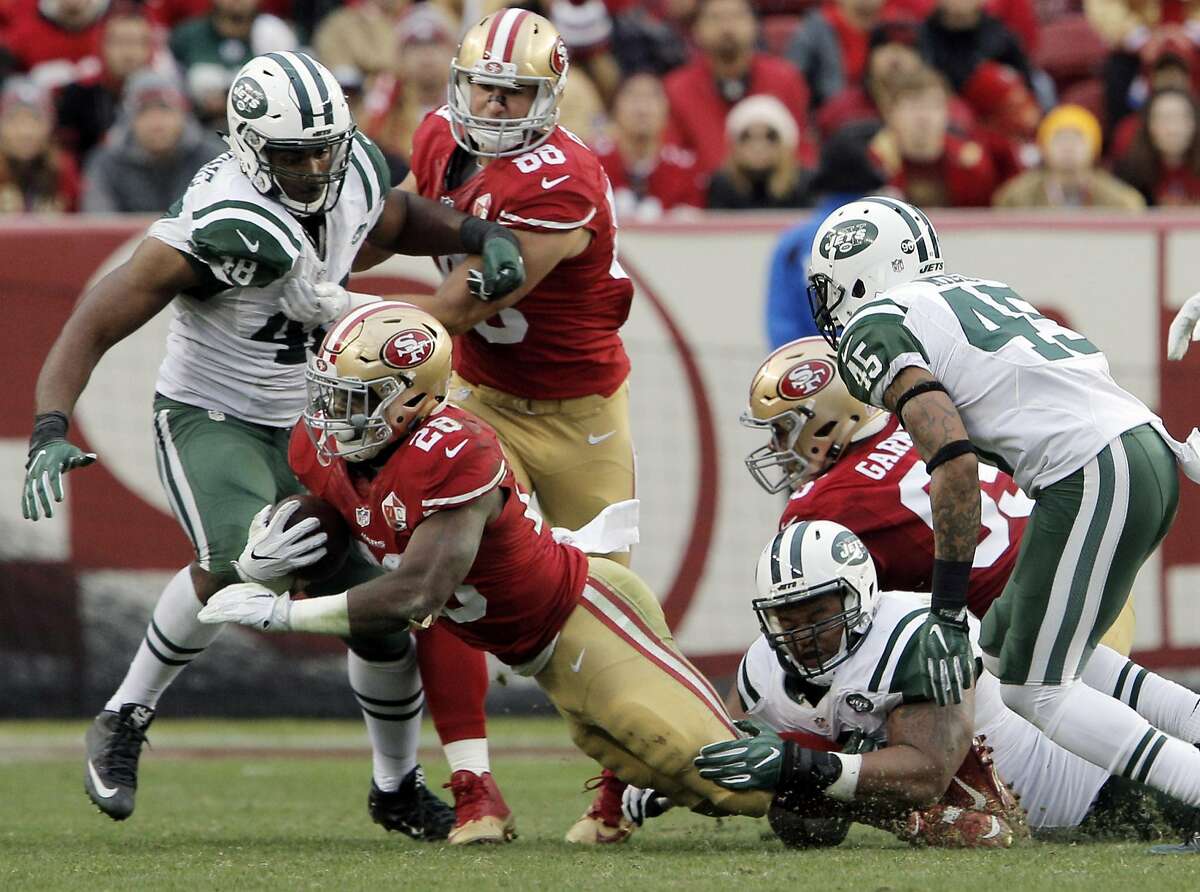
1088	535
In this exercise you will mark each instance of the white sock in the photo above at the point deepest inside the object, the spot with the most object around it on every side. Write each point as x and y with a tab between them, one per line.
390	697
173	639
468	755
1109	734
1161	702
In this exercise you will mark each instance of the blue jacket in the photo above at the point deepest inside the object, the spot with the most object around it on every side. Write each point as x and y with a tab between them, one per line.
788	314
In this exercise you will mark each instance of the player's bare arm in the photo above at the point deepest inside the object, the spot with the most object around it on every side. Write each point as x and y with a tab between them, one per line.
926	744
115	307
436	561
459	310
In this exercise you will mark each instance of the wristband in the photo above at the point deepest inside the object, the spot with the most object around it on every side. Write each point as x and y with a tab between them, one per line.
846	784
48	426
328	615
950	451
474	232
951	579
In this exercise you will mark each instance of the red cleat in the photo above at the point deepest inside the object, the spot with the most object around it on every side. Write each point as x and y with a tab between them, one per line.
480	814
602	823
951	827
978	787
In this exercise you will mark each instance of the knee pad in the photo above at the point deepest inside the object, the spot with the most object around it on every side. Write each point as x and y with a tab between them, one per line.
383	649
1039	704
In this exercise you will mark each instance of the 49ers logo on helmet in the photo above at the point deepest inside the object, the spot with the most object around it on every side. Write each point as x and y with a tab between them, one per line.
407	348
558	57
805	379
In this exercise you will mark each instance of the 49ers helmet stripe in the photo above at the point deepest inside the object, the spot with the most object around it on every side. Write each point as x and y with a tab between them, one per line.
335	341
503	35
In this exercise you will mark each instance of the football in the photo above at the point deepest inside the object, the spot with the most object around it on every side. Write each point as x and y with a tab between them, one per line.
337	548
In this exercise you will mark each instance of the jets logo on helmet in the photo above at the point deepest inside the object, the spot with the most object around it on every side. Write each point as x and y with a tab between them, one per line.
848	549
407	349
806	378
859	252
288	103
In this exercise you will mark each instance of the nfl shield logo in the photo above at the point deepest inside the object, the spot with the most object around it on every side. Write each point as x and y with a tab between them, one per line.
363	516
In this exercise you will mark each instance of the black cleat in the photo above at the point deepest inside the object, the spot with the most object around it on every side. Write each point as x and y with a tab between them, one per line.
114	742
412	809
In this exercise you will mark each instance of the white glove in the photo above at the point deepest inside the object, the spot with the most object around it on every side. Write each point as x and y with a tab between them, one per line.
273	553
250	604
1183	328
638	804
312	305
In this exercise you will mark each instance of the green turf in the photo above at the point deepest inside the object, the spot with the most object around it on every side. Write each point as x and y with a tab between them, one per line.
275	817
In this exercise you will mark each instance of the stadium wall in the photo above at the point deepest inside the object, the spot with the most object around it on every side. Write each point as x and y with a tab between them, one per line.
75	591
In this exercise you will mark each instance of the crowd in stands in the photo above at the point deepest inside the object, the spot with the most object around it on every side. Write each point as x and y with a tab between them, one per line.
110	105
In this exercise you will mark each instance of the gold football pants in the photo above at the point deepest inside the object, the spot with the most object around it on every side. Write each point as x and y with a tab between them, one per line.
633	702
575	455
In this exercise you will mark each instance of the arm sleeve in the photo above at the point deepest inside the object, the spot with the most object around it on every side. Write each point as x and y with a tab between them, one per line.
874	348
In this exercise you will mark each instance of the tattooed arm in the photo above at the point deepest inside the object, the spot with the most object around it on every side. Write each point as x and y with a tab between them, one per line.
932	421
926	745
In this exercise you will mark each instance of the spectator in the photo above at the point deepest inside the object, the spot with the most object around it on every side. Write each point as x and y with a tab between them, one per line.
54	41
88	107
648	174
1163	163
641	42
930	166
846	173
34	175
762	172
958	36
725	70
586	28
366	37
1070	140
210	49
152	154
1168	59
396	101
830	47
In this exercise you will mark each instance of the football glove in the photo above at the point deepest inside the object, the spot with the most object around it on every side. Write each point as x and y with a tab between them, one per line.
273	553
249	604
1184	329
944	651
638	804
312	304
50	456
503	268
764	761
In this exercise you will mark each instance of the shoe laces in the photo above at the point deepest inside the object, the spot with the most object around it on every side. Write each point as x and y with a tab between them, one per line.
469	792
120	757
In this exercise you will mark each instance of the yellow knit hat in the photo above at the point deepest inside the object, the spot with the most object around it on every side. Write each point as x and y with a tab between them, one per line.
1075	116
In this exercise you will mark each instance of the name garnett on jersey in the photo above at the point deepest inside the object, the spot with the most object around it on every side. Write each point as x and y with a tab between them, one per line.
1036	397
230	347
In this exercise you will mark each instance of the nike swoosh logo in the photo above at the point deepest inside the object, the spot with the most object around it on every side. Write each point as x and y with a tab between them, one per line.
937	630
101	790
593	439
450	453
978	799
578	661
253	246
993	831
771	758
550	184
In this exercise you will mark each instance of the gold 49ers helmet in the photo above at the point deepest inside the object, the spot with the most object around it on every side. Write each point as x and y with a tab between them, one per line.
798	397
511	48
380	370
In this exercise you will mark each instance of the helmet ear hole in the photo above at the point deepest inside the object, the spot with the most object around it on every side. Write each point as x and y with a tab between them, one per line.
859	288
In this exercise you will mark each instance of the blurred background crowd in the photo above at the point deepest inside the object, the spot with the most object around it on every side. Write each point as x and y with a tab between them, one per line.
111	105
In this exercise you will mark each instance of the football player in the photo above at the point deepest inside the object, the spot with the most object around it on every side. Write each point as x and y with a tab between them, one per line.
545	365
444	512
970	368
251	257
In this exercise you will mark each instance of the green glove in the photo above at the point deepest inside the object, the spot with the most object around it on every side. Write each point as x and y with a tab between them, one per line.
944	650
50	456
748	763
503	268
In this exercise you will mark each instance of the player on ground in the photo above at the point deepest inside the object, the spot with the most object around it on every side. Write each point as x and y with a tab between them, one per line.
969	367
445	514
251	257
545	365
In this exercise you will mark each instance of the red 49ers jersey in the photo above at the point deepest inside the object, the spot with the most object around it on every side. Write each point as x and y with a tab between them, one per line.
561	340
880	490
523	584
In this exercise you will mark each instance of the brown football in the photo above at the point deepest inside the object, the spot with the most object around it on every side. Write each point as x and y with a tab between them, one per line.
337	547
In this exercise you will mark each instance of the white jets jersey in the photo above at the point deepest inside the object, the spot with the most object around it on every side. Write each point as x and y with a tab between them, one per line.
1037	399
1056	788
230	347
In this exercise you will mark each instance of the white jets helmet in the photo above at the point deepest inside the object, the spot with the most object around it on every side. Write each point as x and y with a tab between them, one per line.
861	250
287	101
802	563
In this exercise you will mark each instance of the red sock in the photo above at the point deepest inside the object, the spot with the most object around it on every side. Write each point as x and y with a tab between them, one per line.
455	680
